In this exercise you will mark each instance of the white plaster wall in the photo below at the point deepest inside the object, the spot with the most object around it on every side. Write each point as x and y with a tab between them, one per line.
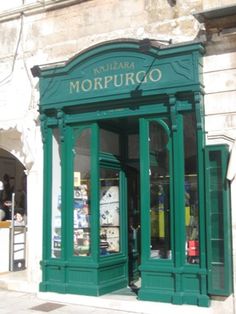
220	87
213	4
220	120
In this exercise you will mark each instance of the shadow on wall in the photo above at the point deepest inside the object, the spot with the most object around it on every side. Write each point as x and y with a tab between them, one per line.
172	3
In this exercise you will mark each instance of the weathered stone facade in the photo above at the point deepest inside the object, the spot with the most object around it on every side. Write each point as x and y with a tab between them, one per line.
42	32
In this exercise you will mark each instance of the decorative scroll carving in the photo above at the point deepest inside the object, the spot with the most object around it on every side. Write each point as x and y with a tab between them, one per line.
172	102
183	68
61	124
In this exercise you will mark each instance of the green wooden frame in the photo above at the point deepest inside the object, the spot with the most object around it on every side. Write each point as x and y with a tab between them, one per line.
111	81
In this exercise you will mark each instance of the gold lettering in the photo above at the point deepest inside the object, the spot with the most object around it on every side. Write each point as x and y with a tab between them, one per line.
116	80
116	84
74	87
143	78
95	71
132	66
114	66
88	87
108	79
105	67
122	65
98	83
155	75
129	77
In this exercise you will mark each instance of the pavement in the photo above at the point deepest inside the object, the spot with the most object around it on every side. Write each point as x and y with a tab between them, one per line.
116	303
17	296
20	302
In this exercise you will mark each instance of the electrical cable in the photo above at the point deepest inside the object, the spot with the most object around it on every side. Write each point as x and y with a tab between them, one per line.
8	77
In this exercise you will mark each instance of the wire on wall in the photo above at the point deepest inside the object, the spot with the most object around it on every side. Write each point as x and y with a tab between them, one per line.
9	76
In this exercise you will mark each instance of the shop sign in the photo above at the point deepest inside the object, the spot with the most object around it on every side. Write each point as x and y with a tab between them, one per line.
107	77
115	73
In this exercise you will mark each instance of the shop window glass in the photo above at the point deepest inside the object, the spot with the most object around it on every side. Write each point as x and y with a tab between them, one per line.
219	245
159	175
56	195
82	175
191	189
109	212
133	146
109	142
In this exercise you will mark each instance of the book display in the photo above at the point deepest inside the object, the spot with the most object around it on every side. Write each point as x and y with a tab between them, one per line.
56	197
81	221
109	220
191	220
56	229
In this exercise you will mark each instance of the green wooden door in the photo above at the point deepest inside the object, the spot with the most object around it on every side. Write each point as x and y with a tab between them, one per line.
172	221
157	176
156	208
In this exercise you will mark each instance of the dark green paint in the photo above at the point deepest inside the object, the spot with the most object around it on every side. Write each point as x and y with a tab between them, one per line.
175	68
178	88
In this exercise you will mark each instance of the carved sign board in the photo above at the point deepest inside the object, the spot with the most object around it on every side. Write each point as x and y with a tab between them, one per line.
118	71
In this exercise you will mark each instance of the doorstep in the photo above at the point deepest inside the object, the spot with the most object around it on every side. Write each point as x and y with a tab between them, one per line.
16	281
123	300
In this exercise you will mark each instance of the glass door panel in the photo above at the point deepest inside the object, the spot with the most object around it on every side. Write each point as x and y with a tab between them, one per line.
81	212
109	211
159	182
191	189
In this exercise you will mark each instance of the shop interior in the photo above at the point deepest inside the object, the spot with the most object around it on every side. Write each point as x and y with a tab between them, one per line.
13	213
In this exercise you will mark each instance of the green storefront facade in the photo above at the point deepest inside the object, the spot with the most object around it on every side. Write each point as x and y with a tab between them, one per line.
131	191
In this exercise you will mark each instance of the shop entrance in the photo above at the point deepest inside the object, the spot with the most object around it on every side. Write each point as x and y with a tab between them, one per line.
124	159
119	139
140	143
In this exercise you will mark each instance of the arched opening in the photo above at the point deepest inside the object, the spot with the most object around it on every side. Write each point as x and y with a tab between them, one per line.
13	213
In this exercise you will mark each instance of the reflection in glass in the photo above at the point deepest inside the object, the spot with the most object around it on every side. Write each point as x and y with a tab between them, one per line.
56	195
109	211
159	191
191	189
81	217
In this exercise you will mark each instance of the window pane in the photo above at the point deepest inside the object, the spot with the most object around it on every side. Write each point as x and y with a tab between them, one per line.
109	212
216	189
82	161
109	142
56	195
133	146
159	191
191	189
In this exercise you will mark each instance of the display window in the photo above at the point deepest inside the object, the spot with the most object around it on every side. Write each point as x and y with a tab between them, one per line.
109	211
81	195
191	189
56	195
